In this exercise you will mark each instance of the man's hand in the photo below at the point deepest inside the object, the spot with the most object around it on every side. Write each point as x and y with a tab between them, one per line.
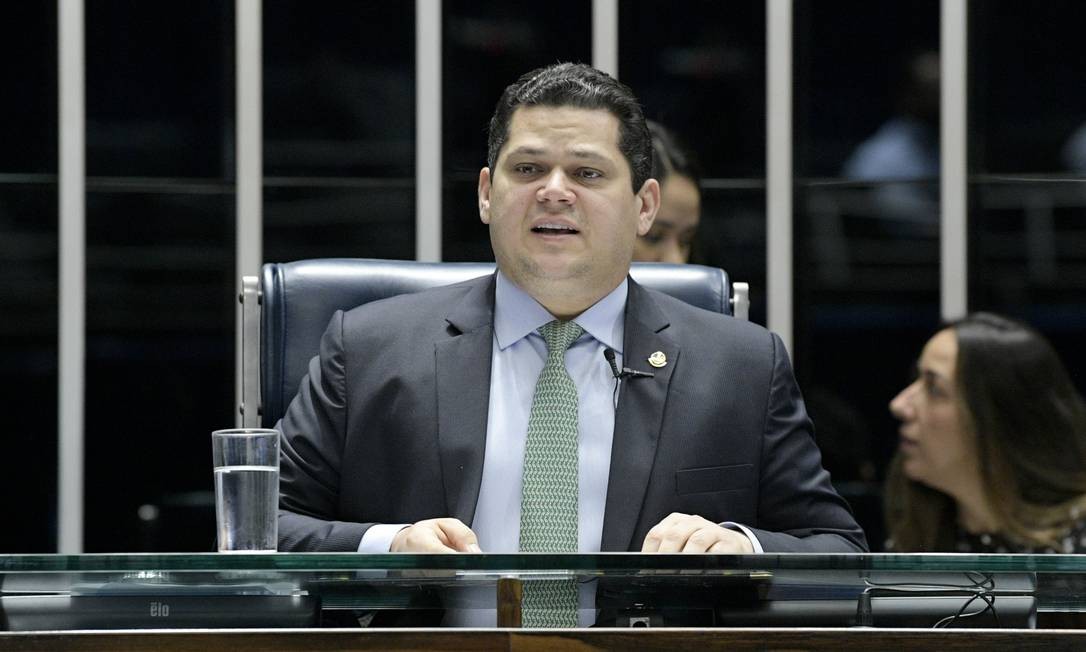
436	535
689	533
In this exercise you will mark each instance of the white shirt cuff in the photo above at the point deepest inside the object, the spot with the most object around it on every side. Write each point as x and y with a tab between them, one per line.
378	538
750	535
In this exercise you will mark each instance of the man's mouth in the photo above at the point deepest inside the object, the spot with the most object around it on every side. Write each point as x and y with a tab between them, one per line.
554	229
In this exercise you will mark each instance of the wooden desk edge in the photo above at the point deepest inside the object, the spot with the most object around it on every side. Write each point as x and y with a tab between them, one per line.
343	640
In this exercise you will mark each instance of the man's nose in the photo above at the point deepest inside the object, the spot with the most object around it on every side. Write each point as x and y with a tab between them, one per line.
556	188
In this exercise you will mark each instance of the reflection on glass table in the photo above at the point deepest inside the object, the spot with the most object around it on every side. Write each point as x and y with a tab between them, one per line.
39	592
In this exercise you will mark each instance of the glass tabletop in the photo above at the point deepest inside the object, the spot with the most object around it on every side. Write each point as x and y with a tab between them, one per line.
501	564
732	589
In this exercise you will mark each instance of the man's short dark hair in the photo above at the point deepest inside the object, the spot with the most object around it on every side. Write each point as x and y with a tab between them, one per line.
581	86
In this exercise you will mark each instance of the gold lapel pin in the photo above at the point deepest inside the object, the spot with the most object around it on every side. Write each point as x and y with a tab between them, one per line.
658	359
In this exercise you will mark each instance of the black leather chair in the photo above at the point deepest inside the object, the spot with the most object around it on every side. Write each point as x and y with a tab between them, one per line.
287	309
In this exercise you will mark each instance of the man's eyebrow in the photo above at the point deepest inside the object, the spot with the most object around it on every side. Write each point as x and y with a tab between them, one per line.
588	154
527	150
581	153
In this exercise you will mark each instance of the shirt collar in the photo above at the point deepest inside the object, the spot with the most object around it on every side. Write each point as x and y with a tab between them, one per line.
517	315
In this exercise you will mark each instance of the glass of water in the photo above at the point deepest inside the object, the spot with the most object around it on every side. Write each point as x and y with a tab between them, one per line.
246	489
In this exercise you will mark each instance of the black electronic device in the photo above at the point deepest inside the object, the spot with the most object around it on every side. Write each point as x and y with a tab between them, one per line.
157	603
804	599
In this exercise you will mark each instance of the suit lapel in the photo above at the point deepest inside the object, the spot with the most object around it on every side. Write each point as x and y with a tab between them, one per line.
638	418
463	397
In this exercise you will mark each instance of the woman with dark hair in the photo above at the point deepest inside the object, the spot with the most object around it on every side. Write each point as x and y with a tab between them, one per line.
992	456
672	234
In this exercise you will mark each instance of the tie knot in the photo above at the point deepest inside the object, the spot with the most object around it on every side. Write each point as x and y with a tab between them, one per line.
559	335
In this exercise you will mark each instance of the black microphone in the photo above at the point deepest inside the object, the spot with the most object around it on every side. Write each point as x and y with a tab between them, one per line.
626	372
609	353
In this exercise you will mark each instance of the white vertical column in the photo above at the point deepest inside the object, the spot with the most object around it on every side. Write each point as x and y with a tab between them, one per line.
779	167
72	312
428	130
953	285
605	36
249	130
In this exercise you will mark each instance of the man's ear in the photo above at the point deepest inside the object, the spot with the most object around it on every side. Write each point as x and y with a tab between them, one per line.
484	195
648	203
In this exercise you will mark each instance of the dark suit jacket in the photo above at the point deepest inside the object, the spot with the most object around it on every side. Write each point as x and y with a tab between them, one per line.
390	423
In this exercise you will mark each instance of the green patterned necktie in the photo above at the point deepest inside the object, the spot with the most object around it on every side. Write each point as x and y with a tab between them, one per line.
548	506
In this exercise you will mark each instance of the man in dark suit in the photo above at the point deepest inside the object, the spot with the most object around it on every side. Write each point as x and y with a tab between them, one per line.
408	434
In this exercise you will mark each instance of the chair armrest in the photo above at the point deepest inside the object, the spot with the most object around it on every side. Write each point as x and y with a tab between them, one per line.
741	300
250	352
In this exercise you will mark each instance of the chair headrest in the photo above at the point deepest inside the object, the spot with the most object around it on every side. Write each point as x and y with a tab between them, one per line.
299	298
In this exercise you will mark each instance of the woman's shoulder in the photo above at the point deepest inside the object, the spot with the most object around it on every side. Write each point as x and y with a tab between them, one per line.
1073	541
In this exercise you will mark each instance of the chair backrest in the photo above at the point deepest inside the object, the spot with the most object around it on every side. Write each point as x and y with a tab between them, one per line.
299	298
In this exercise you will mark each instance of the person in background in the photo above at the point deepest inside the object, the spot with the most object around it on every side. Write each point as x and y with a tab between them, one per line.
1074	151
992	456
900	160
906	146
676	168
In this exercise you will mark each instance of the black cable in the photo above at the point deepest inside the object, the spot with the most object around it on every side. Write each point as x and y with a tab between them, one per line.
989	601
980	587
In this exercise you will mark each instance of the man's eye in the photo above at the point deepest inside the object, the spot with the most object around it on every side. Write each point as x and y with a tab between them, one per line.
588	173
525	169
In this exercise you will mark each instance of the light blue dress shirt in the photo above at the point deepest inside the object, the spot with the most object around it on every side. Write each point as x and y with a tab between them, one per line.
519	354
